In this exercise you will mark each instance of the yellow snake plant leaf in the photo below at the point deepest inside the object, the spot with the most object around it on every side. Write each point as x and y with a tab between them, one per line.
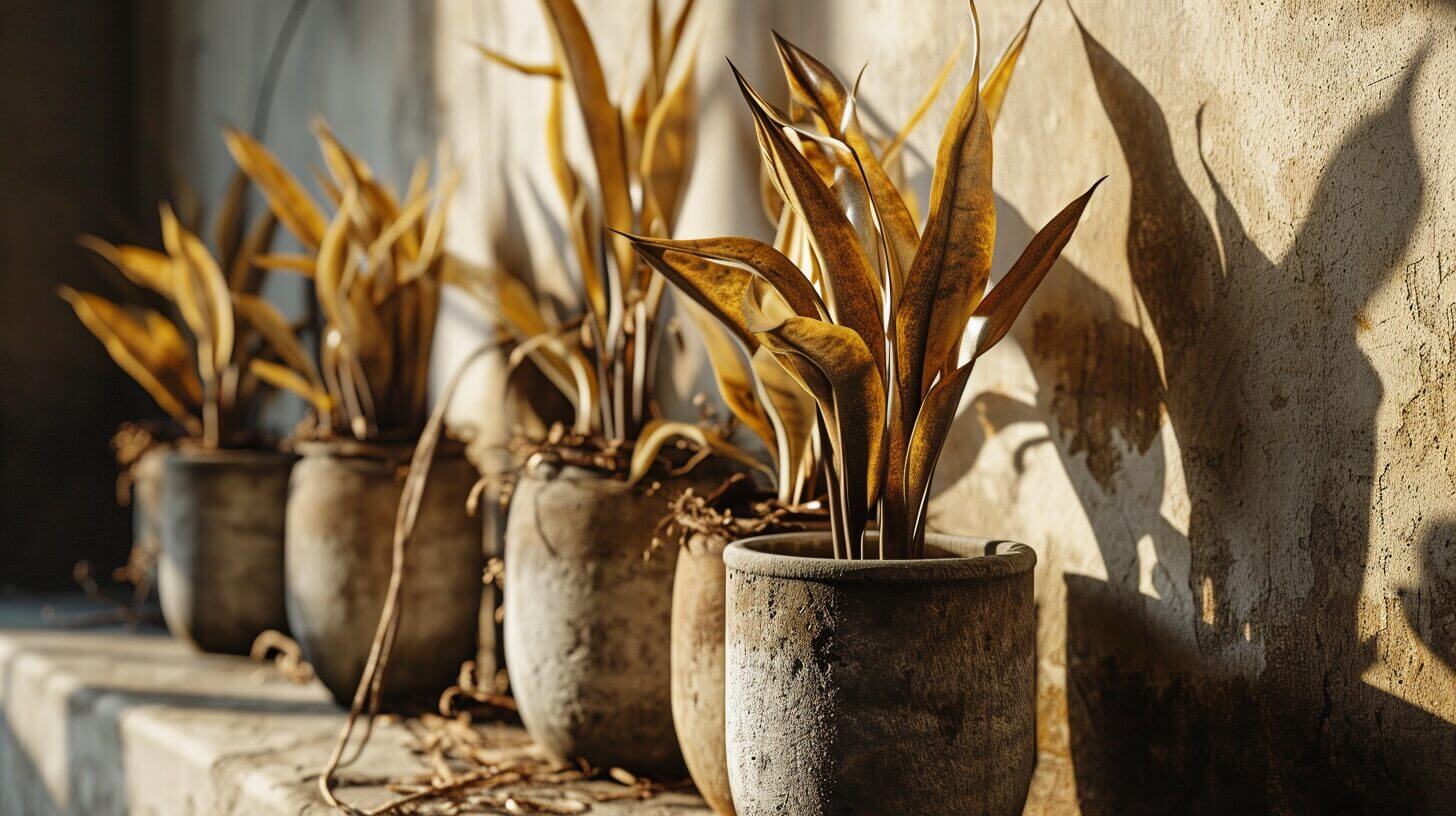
288	379
851	291
667	153
791	410
144	267
851	397
582	227
216	298
190	297
732	372
601	118
813	81
949	274
718	272
658	432
582	388
332	261
296	209
993	92
273	327
541	69
175	354
300	264
175	389
992	319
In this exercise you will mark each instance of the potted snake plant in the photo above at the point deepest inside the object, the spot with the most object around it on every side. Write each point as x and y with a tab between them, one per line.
765	398
215	496
853	652
587	616
377	266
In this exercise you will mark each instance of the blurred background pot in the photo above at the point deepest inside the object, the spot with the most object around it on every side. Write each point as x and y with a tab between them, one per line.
342	501
697	666
866	686
220	576
588	616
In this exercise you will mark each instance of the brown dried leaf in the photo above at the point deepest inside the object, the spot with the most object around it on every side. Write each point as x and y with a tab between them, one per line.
993	92
295	208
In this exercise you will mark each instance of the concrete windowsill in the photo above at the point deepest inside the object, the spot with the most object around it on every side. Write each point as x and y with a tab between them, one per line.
110	722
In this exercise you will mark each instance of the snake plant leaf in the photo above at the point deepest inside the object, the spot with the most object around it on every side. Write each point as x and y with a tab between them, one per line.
286	262
601	118
850	392
286	197
332	260
566	181
189	297
216	297
732	372
658	432
720	285
144	267
174	388
992	319
583	389
850	289
791	411
667	153
949	273
273	327
288	379
993	93
815	83
542	69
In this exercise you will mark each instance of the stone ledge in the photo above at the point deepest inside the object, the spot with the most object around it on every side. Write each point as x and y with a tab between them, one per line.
112	722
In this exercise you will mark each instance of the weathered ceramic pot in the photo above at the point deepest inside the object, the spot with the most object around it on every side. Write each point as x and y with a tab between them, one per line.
588	617
877	687
146	503
697	666
342	502
220	575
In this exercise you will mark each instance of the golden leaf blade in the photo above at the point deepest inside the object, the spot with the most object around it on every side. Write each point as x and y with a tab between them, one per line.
228	226
718	272
658	432
602	120
174	388
302	264
240	273
295	208
667	153
144	267
289	379
850	289
993	318
273	327
734	375
836	366
816	84
949	273
892	150
993	92
791	410
542	69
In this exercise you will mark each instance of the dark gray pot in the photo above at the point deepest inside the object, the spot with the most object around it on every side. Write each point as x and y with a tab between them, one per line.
341	510
697	667
588	618
877	687
220	576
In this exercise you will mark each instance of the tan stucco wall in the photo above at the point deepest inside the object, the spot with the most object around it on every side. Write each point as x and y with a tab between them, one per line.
1224	423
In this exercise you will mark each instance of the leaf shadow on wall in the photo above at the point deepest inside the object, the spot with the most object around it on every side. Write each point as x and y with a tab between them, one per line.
1240	689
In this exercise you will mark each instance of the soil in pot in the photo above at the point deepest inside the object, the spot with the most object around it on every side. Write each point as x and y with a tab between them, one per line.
588	616
340	531
220	520
874	687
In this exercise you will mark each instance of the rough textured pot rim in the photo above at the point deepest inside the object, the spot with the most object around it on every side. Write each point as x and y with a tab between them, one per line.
188	456
400	452
763	555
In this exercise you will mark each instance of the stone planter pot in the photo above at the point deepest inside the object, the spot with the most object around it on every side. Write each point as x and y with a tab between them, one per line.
880	686
220	575
697	667
588	618
342	501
